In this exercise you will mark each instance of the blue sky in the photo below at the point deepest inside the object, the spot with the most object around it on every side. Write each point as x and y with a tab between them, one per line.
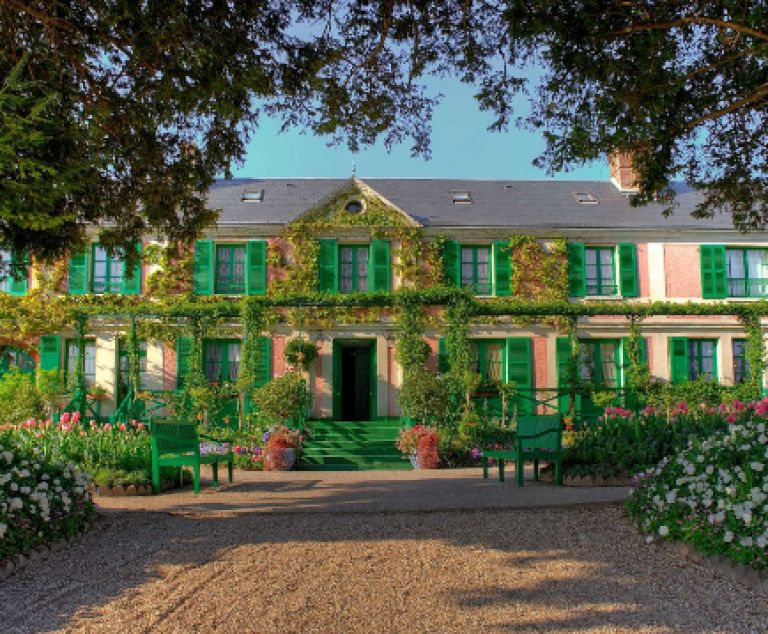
462	147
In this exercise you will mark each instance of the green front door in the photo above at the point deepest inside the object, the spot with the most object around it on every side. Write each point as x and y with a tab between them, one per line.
354	379
221	363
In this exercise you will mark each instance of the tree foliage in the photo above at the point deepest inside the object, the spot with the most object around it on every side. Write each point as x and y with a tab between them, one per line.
122	113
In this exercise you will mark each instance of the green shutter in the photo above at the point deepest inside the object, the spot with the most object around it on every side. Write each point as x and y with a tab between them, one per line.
678	360
256	279
519	371
628	269
184	347
264	369
563	357
502	269
328	266
442	355
78	273
50	352
378	269
19	275
204	267
451	263
713	278
132	282
577	285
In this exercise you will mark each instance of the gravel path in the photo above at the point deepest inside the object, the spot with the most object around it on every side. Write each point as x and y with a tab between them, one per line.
199	566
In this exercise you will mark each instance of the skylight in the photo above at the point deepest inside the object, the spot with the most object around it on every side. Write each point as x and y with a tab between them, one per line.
585	198
461	197
253	196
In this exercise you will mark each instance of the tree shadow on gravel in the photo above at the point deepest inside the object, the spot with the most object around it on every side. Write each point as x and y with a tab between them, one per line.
130	549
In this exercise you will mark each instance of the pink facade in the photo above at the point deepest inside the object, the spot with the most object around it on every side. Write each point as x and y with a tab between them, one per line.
169	367
643	281
279	366
681	270
540	362
432	360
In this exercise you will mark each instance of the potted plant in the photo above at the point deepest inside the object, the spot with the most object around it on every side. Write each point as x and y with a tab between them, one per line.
301	353
97	393
420	444
281	448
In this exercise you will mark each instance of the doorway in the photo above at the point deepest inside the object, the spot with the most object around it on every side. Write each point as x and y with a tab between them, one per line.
354	379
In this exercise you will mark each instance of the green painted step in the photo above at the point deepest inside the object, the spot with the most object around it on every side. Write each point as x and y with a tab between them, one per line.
353	445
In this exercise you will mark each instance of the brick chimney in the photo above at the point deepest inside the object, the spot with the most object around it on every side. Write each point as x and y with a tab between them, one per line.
623	174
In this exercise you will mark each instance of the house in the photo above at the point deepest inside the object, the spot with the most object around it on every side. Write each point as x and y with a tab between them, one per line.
277	237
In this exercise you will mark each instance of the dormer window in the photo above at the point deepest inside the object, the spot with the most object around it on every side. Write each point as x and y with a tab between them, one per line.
253	196
585	198
354	207
461	197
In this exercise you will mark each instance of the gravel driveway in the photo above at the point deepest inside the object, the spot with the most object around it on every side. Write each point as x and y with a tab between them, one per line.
185	564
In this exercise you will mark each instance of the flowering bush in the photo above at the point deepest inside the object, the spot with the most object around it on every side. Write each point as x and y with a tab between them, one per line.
712	494
41	499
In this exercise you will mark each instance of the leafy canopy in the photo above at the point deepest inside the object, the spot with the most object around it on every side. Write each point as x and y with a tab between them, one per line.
120	113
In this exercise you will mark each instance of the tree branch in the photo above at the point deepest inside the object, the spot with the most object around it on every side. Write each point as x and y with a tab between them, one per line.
760	93
694	20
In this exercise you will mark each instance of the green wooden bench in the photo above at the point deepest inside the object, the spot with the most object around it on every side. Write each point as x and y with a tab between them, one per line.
537	438
178	445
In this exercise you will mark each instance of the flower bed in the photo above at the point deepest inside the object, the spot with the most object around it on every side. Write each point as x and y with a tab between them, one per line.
623	442
115	456
41	499
713	494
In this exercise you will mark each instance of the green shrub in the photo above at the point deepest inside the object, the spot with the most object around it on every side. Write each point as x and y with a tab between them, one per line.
424	397
283	400
711	494
301	353
19	397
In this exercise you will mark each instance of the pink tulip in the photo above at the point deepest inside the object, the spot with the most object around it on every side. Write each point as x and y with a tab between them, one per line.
64	418
122	427
107	427
75	417
731	418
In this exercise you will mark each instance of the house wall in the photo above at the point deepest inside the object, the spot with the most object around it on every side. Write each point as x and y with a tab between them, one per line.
681	271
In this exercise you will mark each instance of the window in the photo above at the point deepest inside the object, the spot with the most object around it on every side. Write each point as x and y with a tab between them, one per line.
702	360
90	361
354	207
354	268
747	272
585	198
123	368
108	272
600	271
488	360
461	197
254	196
5	270
740	363
16	358
476	269
230	269
222	361
599	363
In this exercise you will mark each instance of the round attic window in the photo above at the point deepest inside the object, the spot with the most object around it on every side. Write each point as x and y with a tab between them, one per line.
354	207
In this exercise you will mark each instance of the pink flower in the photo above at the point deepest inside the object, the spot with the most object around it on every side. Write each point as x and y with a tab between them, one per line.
122	427
75	417
64	418
65	427
93	424
140	426
731	418
107	427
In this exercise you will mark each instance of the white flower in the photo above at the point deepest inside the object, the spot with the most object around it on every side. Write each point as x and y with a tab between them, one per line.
663	531
728	537
15	504
746	542
757	466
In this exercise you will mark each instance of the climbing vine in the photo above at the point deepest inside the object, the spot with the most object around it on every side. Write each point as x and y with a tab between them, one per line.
755	351
637	374
412	350
458	314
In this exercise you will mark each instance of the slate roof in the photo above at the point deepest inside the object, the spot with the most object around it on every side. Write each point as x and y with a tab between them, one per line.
524	204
